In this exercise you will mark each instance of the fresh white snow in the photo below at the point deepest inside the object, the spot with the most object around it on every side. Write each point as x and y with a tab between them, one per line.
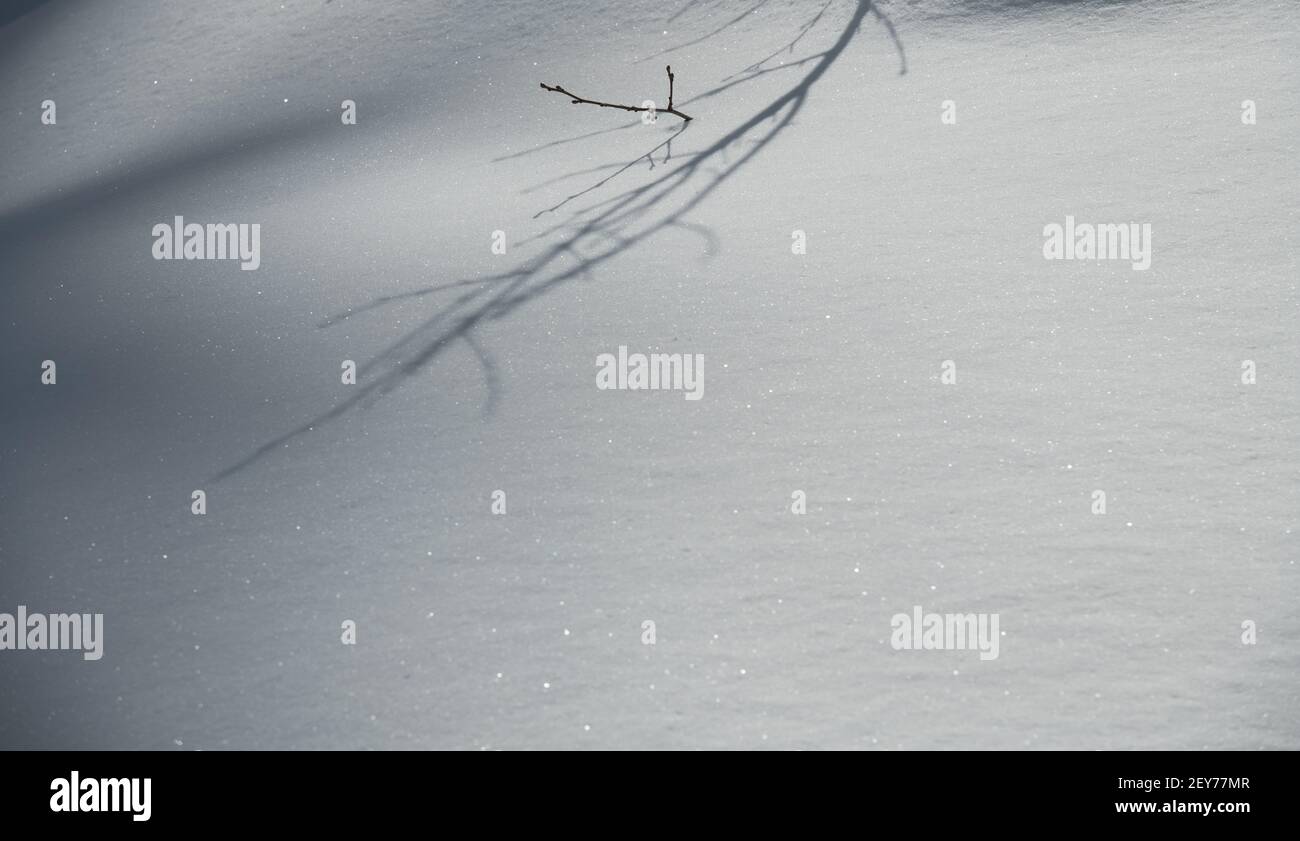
372	502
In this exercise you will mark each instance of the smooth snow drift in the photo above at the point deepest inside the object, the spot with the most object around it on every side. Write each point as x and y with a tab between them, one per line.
915	413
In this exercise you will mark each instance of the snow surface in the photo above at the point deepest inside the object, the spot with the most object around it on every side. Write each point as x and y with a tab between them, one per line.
822	374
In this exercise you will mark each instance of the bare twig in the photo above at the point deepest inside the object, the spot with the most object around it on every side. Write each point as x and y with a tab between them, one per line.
577	100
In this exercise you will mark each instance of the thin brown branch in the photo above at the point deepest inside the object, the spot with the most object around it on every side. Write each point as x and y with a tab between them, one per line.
578	100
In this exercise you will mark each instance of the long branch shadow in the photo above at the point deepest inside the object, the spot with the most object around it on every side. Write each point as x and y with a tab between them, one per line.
601	231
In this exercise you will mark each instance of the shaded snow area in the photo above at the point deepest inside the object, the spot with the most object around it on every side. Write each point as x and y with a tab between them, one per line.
923	486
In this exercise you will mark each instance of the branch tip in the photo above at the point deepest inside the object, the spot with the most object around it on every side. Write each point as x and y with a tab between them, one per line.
577	100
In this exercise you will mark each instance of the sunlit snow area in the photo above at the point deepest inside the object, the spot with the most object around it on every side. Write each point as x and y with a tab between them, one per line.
902	402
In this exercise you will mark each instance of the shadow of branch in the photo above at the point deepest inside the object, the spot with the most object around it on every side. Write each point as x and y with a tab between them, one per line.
597	234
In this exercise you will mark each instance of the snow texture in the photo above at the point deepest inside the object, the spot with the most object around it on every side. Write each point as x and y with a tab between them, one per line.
372	502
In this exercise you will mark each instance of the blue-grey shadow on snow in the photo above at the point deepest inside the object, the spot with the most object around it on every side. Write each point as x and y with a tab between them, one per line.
12	10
